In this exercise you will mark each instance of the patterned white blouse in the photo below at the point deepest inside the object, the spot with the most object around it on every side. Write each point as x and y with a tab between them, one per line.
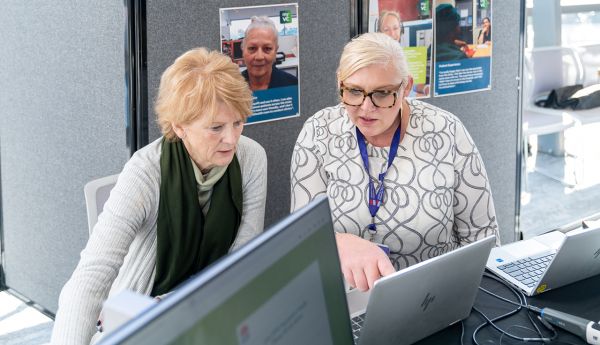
437	194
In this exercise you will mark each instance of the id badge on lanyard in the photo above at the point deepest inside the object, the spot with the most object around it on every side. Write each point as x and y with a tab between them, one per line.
376	194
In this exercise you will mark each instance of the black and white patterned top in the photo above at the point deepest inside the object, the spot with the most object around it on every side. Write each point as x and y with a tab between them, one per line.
437	194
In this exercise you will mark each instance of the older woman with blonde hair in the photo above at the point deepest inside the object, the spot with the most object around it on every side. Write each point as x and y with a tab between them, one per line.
180	203
404	179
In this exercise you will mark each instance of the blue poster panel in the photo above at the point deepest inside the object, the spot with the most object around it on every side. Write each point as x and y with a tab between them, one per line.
463	46
276	103
263	41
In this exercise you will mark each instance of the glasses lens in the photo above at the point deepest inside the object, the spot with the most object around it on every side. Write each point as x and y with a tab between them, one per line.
383	98
352	96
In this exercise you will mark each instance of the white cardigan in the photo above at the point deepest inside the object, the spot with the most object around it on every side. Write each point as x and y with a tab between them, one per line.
121	251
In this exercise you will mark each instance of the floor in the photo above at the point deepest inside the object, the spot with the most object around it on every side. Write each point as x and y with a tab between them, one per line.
547	204
22	324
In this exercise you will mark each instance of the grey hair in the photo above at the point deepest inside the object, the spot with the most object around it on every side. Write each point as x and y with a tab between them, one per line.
373	48
261	22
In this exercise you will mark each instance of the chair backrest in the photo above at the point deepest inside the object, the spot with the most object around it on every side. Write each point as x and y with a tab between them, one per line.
552	67
590	59
96	193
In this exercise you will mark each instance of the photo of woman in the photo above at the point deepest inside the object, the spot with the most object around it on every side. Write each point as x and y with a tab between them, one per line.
263	42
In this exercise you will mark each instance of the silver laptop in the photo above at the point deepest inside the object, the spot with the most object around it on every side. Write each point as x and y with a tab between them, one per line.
548	261
420	300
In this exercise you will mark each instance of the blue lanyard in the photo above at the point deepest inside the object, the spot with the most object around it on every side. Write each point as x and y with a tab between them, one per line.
376	195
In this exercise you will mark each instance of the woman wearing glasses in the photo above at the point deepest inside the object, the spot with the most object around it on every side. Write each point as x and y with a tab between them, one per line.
404	179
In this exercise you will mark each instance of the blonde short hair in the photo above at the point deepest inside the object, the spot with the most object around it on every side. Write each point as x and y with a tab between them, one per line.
373	48
386	13
194	85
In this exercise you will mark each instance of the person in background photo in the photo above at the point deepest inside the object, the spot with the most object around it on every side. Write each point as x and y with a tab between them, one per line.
180	203
391	24
259	48
447	34
404	179
485	35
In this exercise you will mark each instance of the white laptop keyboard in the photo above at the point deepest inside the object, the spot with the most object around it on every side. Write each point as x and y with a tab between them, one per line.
528	270
357	323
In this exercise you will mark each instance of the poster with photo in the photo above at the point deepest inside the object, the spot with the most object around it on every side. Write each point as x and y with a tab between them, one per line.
463	46
410	23
263	41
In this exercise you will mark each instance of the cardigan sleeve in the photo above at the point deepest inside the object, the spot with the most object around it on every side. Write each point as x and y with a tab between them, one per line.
307	173
474	213
134	196
253	162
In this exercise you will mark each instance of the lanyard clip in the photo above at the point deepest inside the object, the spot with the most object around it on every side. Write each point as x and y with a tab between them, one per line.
372	229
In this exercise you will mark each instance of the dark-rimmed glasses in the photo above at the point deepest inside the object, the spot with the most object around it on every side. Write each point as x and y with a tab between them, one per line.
379	98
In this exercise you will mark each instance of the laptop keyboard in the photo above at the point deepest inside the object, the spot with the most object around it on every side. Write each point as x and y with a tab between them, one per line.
357	323
528	270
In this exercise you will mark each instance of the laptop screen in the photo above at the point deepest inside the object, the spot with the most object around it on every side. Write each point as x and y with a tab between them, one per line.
284	287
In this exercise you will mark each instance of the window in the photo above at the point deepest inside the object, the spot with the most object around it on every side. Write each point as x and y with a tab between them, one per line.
580	28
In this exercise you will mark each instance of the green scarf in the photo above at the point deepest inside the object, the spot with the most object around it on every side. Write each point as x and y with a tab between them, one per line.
187	241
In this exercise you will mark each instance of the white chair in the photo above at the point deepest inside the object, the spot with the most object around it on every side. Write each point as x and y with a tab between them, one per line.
550	68
96	193
590	60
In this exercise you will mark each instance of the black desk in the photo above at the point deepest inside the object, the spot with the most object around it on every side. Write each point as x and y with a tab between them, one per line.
581	299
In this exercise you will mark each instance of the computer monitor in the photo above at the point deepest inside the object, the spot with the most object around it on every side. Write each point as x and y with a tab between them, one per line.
283	287
237	50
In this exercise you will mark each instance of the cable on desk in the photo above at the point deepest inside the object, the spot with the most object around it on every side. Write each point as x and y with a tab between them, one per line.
522	303
481	326
510	335
515	326
525	304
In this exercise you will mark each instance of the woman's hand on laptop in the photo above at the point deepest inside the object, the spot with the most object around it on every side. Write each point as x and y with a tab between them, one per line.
363	262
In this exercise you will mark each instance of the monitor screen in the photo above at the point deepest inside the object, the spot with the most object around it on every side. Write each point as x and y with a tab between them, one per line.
284	287
237	50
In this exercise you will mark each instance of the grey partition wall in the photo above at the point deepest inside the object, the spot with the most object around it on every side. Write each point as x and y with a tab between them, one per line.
325	26
62	114
492	117
62	124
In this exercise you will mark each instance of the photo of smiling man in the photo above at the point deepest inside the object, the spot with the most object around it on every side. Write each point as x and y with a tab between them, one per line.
263	41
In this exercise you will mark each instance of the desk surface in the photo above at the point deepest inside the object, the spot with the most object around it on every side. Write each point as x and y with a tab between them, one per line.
481	50
581	299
